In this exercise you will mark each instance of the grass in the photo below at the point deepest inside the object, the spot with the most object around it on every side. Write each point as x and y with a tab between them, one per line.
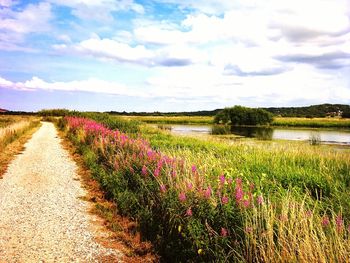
209	200
13	137
171	119
278	121
312	122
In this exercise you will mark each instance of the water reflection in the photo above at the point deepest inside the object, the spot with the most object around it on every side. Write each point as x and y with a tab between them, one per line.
261	133
312	135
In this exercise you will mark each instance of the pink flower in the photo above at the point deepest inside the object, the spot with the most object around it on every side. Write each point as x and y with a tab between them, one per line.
222	179
339	222
189	212
224	200
260	200
207	192
173	173
182	197
239	181
194	169
156	172
229	181
162	188
144	170
325	221
189	186
224	232
246	203
239	194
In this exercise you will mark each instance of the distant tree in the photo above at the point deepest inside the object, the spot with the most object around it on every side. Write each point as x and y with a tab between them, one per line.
346	113
239	115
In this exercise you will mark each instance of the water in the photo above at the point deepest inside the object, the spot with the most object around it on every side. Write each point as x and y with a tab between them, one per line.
323	136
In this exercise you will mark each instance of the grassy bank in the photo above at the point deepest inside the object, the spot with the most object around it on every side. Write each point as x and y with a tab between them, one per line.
278	121
205	200
314	122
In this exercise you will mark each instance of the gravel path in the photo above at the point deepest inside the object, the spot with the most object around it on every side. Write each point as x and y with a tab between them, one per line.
42	218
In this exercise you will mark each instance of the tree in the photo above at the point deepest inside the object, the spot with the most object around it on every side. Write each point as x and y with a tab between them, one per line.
239	115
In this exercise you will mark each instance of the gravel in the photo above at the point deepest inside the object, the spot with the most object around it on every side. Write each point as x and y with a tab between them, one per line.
42	215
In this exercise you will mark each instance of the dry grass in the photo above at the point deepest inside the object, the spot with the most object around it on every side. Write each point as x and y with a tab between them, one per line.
12	141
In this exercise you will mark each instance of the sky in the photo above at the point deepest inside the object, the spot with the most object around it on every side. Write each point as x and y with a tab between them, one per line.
173	55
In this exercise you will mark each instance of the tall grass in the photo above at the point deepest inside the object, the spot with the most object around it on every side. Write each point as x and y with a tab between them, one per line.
207	201
12	132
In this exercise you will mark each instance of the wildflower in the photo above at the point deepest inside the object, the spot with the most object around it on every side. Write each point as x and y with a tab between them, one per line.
260	200
156	172
189	212
325	221
239	181
339	222
239	193
144	170
182	197
229	181
224	200
200	251
179	228
189	186
224	232
207	192
194	169
246	203
162	188
222	179
173	173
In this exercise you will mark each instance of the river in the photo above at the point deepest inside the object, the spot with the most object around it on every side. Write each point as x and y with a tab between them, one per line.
325	136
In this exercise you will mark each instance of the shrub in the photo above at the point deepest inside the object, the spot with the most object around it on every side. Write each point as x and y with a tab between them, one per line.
239	116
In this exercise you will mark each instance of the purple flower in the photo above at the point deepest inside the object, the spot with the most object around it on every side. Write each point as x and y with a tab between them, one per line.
182	197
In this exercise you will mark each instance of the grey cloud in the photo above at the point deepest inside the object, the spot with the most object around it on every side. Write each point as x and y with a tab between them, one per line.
333	60
236	70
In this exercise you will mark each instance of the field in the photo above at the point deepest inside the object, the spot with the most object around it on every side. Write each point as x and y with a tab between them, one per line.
212	200
278	121
14	130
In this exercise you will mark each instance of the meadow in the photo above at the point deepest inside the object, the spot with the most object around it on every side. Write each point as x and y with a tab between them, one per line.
278	121
210	200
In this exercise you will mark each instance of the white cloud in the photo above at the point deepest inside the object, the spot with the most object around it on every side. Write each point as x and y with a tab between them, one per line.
120	52
15	25
89	85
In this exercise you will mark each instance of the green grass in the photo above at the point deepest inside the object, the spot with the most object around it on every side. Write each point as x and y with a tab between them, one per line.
312	122
278	121
171	119
301	185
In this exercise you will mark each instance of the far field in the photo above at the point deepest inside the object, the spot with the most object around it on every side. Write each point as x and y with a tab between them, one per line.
278	121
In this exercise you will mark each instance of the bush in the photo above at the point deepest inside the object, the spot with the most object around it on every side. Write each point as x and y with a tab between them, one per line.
239	115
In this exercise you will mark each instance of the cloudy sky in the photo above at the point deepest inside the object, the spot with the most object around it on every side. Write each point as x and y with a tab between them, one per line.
173	55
